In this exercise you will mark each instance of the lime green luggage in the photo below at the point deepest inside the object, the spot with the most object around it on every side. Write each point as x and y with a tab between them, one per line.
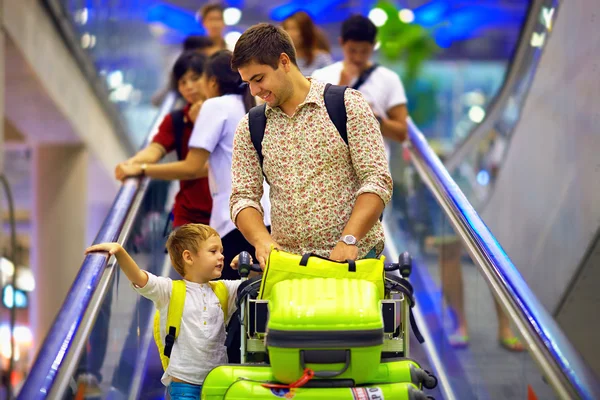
389	371
332	326
244	390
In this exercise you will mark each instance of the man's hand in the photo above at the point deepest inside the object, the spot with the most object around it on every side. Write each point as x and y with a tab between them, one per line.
195	110
124	170
343	252
111	248
263	249
349	73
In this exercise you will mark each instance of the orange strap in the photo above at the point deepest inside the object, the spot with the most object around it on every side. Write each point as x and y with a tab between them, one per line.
307	376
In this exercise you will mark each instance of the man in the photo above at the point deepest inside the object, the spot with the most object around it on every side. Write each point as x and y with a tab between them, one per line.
379	85
211	18
326	195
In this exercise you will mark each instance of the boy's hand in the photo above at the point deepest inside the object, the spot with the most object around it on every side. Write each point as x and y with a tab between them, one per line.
235	263
111	248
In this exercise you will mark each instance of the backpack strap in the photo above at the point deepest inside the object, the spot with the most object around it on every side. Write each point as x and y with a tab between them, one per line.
177	117
174	314
336	108
257	123
222	294
364	76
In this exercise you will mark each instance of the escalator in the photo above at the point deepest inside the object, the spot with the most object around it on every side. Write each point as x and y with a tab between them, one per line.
102	336
104	328
542	192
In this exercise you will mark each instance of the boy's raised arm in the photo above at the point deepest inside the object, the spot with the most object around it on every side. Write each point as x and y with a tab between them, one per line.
137	276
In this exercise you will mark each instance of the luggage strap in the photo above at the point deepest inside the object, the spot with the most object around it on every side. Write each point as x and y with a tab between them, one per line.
306	376
403	286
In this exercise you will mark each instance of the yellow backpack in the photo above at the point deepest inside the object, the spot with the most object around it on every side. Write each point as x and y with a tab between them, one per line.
174	317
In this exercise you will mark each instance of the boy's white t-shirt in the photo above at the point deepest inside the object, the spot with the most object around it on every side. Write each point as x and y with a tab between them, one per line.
383	89
200	345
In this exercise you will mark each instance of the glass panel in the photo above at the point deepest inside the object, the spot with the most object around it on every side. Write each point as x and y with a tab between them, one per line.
473	337
129	59
113	361
484	162
452	78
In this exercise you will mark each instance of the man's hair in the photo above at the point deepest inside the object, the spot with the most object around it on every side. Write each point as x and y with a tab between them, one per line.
359	29
262	43
187	237
207	8
197	42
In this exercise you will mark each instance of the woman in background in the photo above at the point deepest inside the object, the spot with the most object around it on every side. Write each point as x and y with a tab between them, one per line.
307	41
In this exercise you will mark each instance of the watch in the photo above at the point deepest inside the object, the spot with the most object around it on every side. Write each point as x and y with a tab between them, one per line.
349	240
143	168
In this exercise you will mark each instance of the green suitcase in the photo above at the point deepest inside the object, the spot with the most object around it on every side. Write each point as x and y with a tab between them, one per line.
332	326
244	390
221	378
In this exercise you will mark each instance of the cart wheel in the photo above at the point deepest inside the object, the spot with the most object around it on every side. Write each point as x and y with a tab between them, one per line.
430	382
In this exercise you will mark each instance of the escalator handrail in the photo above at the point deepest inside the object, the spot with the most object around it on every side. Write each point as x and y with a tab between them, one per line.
559	361
61	336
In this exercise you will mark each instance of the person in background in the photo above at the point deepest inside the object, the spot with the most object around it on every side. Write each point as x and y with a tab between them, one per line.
228	100
380	86
450	251
211	18
305	36
193	202
198	43
322	42
201	44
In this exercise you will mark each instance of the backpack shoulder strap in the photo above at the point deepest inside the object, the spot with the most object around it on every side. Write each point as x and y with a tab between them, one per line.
336	108
257	123
364	76
222	294
177	117
174	315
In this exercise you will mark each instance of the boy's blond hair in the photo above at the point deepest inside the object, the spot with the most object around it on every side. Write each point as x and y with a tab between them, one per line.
187	237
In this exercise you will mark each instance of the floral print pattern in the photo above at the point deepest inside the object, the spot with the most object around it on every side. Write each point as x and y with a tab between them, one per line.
315	177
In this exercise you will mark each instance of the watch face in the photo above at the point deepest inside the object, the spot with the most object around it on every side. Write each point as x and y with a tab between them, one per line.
349	239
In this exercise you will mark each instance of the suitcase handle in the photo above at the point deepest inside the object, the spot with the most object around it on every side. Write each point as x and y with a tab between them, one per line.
327	374
306	256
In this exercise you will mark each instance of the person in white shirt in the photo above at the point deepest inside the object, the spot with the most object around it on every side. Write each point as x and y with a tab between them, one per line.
196	252
380	86
229	99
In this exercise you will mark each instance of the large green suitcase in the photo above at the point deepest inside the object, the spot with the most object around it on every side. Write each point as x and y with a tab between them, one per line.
221	378
244	390
332	326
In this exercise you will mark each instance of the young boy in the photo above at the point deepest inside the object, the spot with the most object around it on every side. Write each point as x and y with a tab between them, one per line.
197	255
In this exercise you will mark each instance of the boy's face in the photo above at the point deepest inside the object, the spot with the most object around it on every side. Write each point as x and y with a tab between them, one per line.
271	85
207	264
